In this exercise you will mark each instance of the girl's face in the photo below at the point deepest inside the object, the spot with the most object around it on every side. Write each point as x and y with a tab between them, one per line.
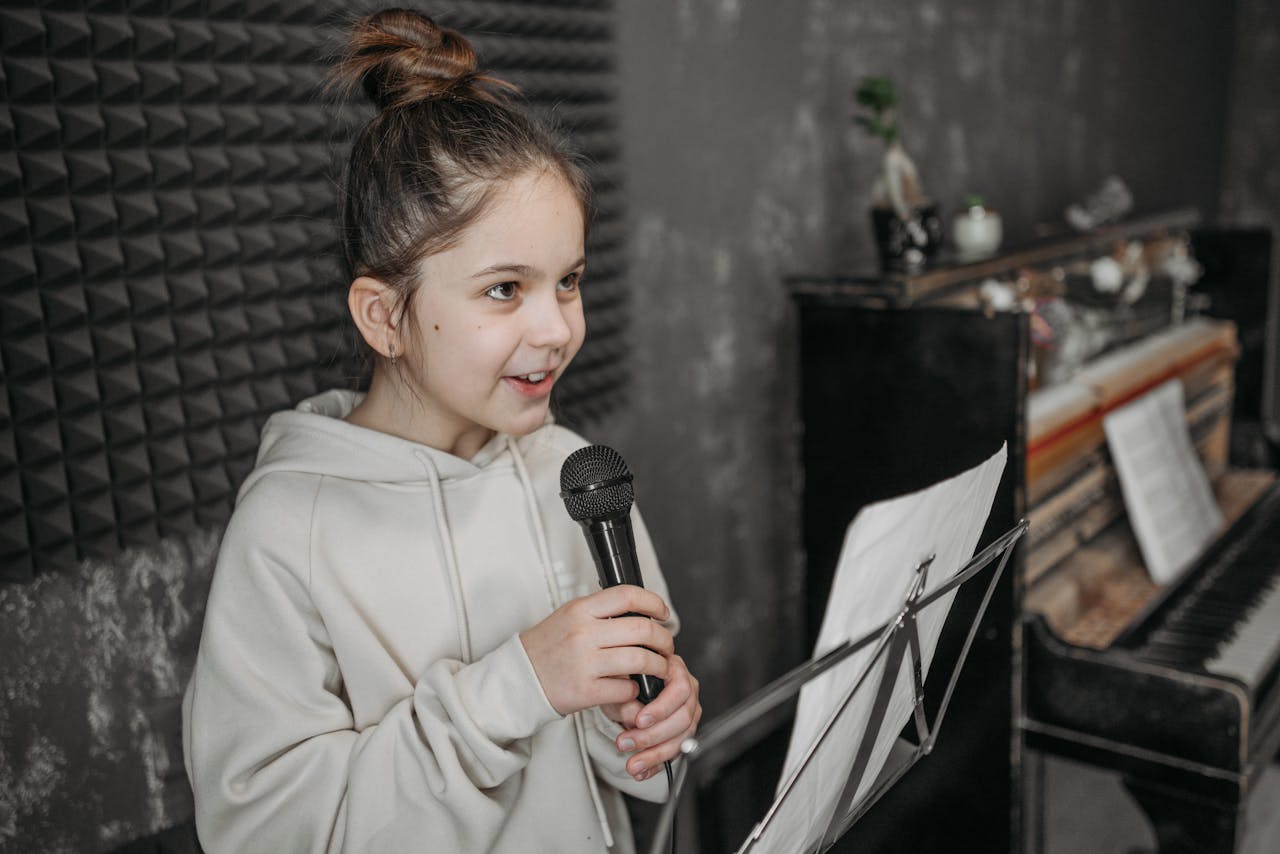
498	316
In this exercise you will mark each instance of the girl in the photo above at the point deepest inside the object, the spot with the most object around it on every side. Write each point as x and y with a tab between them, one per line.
400	650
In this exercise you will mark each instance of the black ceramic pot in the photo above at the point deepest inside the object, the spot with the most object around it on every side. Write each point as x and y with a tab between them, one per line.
907	246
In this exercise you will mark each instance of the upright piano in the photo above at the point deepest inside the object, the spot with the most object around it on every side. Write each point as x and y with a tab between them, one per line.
1172	685
905	379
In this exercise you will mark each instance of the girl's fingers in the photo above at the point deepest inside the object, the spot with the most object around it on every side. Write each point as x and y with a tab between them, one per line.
624	714
680	686
629	660
637	631
646	763
663	725
660	724
623	599
620	692
578	645
672	726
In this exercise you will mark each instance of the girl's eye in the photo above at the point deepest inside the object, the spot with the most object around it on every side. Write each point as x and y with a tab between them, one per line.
503	292
569	282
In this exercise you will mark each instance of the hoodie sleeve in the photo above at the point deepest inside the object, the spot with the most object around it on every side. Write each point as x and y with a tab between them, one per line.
272	752
610	765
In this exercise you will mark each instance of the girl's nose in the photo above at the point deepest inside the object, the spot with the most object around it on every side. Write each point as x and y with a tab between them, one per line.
548	326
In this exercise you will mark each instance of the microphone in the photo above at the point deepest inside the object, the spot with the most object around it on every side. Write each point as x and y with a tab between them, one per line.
595	484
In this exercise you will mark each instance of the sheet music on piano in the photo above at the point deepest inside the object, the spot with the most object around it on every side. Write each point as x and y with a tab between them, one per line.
1166	491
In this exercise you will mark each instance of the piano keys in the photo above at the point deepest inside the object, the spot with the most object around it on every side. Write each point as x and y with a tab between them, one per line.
1226	620
1248	649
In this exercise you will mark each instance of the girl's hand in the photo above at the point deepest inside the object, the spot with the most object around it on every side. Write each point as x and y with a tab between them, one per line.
583	658
656	731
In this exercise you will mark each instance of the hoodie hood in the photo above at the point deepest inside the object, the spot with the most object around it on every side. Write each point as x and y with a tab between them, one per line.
313	438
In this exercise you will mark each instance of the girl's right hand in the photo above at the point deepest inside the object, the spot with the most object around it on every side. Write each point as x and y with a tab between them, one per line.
584	657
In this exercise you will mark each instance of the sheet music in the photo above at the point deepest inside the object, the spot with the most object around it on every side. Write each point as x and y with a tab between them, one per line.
873	578
1166	491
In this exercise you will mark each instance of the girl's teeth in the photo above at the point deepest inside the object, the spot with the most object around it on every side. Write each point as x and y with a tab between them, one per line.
536	378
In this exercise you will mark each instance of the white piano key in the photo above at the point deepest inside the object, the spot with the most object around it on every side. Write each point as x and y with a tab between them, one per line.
1256	644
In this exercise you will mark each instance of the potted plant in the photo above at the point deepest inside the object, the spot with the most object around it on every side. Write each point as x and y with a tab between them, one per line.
907	228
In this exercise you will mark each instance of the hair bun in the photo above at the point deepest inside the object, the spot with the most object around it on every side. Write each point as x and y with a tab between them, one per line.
401	57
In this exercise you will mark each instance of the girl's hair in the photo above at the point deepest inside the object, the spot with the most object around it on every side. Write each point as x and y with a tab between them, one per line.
426	165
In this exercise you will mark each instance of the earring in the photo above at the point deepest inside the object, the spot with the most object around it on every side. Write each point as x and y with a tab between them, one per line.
393	355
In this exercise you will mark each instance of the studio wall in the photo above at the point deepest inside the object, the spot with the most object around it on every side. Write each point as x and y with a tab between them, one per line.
744	166
1251	159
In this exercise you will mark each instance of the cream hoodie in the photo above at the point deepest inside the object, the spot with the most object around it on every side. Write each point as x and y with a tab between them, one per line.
361	685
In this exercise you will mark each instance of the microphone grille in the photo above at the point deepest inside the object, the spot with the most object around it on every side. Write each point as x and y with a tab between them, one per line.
595	483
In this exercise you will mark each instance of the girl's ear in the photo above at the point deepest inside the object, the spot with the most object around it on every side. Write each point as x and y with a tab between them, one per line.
373	306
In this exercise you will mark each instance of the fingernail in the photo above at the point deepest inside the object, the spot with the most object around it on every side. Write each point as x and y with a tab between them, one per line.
637	769
644	720
626	744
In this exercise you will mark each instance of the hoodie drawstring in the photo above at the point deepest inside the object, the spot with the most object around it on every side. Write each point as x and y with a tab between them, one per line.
538	526
450	555
544	556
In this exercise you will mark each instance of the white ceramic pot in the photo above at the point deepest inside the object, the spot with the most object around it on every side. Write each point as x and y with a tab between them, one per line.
976	232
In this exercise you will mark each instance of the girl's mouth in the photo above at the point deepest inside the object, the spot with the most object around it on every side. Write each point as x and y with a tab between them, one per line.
535	384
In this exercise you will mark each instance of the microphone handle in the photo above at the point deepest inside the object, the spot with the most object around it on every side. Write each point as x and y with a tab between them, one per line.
613	547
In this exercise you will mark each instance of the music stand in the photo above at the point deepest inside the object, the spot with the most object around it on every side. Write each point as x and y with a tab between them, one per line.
894	641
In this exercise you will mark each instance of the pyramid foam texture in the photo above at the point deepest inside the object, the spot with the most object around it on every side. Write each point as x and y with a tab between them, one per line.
168	264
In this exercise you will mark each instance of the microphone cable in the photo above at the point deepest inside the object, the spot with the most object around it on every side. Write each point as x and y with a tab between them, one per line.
671	793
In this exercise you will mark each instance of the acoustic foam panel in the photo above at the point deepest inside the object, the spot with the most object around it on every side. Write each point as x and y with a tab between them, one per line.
168	267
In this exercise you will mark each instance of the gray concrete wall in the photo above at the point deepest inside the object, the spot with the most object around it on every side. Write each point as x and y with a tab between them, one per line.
743	166
93	664
1251	174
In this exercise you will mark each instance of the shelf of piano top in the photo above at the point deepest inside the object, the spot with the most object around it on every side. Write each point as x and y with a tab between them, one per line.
1083	571
944	279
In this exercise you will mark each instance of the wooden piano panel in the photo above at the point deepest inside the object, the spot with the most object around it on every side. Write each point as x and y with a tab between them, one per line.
1083	568
1092	596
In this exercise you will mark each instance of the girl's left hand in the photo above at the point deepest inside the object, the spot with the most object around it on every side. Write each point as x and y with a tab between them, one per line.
654	732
